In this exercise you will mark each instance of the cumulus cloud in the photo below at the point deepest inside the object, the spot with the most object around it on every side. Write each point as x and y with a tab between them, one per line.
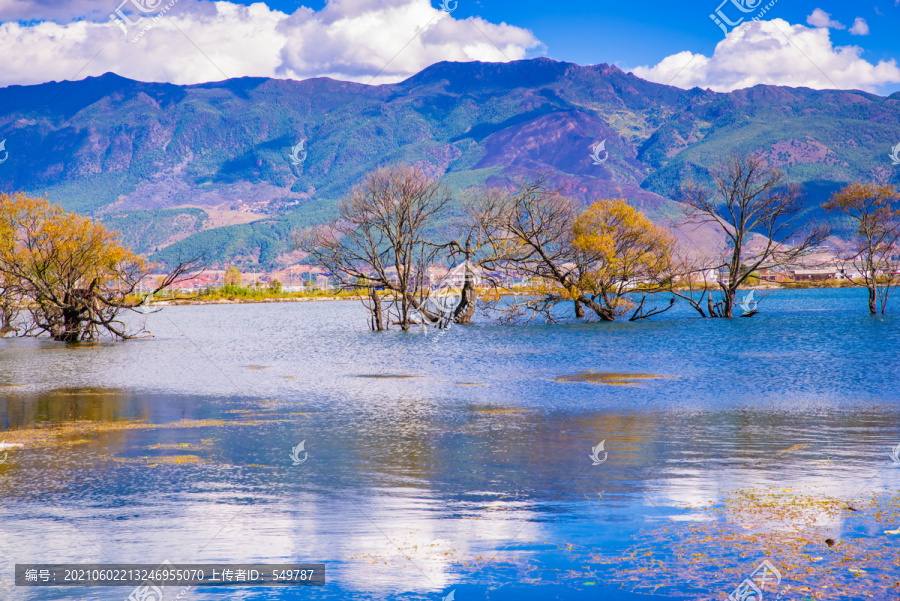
187	42
775	53
352	38
820	18
860	27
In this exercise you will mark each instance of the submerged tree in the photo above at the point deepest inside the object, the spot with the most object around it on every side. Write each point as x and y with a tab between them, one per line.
749	197
68	277
626	257
873	208
608	260
382	237
9	306
526	232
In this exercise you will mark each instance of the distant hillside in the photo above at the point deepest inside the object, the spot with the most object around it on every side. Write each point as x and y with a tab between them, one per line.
180	169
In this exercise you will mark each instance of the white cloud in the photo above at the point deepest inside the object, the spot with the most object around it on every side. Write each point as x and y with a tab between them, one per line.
820	18
203	41
775	53
860	27
354	37
34	10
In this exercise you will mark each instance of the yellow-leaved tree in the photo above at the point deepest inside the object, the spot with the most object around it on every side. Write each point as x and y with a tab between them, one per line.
608	260
623	259
69	277
875	211
232	276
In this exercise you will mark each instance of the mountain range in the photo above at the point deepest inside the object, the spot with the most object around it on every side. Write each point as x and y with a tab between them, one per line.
232	168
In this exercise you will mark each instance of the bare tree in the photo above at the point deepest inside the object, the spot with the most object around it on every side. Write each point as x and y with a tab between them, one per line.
872	208
749	197
526	233
692	279
532	232
381	238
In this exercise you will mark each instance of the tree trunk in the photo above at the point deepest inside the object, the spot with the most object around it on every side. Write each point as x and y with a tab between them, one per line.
68	328
579	309
404	309
602	312
873	295
465	310
377	314
728	302
6	319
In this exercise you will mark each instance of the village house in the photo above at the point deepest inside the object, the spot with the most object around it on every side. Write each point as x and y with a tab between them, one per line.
814	275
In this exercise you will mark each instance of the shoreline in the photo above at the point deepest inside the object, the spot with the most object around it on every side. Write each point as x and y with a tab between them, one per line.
303	299
250	301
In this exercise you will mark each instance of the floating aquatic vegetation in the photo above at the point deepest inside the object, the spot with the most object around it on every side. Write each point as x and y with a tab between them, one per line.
497	410
796	447
387	376
85	392
163	460
793	529
73	432
206	443
609	378
256	367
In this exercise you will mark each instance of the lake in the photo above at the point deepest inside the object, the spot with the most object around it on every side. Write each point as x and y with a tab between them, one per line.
465	465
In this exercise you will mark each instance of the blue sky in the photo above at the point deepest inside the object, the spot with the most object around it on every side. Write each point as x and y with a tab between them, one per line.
633	32
813	43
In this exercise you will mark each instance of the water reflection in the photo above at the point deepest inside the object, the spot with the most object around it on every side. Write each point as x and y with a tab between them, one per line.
463	464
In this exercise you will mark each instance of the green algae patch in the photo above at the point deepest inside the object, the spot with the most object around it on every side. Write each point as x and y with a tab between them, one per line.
609	378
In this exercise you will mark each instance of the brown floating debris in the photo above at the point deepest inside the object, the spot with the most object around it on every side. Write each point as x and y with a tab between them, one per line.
609	378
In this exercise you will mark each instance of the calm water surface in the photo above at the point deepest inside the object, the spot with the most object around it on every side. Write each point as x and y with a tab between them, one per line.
436	463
